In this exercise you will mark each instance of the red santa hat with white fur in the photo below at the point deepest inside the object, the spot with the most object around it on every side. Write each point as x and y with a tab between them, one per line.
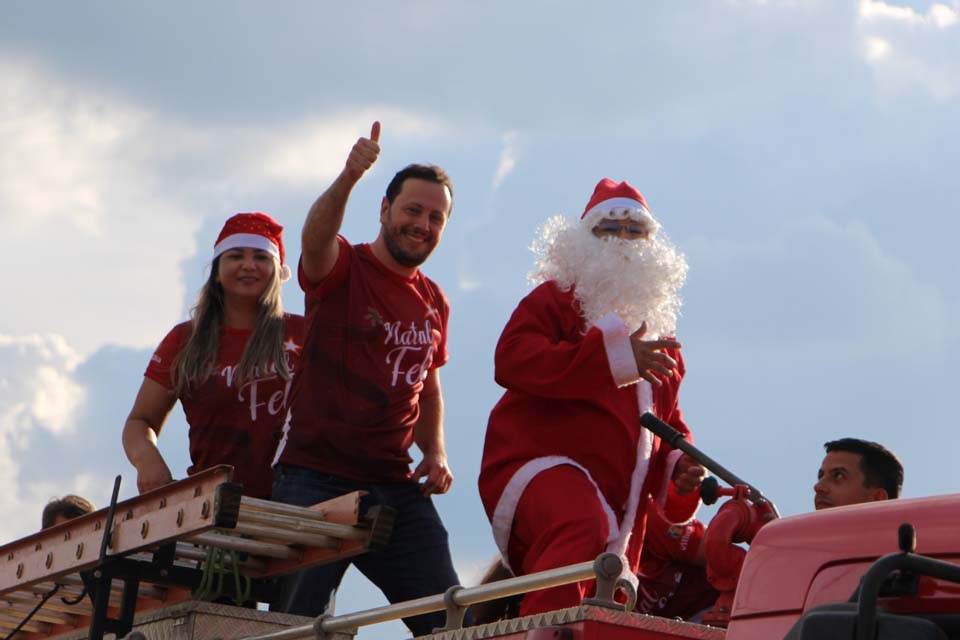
253	231
619	202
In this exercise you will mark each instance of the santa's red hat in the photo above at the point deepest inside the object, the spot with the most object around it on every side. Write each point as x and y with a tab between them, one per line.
253	231
618	201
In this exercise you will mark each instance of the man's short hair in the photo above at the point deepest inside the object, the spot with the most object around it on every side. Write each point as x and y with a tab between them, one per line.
428	172
69	506
880	467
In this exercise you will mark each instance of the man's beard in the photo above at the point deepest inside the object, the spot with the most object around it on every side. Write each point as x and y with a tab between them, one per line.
392	235
639	280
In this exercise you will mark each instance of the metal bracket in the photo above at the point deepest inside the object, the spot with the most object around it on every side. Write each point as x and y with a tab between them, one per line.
455	612
321	634
608	568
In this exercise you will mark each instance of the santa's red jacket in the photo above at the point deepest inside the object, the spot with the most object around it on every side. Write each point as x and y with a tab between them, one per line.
575	397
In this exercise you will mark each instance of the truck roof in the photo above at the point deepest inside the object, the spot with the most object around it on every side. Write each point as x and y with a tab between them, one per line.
804	560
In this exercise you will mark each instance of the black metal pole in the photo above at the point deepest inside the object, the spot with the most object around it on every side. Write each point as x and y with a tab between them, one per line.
676	440
99	586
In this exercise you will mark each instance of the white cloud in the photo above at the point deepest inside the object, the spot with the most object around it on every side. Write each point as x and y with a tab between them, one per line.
55	144
93	236
37	392
101	199
943	16
37	387
312	151
467	281
508	159
876	49
908	50
938	15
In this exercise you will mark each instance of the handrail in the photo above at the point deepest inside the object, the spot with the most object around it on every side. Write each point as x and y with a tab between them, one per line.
606	565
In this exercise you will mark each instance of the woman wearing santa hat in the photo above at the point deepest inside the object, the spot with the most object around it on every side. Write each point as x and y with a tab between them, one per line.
231	365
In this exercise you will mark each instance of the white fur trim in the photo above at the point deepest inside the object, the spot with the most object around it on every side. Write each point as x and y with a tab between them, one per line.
506	508
285	273
617	203
645	398
616	342
637	478
246	241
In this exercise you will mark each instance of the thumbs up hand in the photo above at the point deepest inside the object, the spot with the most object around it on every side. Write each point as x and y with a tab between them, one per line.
363	154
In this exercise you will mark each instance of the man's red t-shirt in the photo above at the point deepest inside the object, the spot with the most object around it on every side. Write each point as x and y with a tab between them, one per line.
672	585
230	423
372	337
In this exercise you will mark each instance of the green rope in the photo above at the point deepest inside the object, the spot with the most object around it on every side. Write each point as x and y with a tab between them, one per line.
202	592
214	572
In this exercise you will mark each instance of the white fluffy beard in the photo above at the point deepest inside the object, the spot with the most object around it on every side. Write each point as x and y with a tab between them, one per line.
639	280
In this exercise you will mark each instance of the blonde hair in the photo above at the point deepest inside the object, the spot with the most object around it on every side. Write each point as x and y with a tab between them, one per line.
263	353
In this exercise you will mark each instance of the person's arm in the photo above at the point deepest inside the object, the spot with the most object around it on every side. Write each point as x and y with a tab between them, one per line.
428	434
319	248
150	411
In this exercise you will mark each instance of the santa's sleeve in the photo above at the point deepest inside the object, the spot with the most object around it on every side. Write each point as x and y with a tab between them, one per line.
540	352
676	508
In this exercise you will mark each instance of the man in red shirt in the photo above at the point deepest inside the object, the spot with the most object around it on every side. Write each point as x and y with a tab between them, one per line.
369	384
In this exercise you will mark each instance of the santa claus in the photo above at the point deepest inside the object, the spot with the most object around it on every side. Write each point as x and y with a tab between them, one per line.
567	470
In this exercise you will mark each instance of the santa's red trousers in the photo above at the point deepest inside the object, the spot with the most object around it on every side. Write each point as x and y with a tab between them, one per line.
559	521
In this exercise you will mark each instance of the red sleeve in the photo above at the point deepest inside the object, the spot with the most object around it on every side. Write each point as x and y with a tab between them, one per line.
441	357
335	278
677	508
159	368
542	355
678	542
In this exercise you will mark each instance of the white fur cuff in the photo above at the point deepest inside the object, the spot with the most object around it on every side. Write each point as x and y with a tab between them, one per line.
616	342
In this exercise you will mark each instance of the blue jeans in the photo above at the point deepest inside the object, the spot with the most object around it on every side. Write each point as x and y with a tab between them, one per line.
415	563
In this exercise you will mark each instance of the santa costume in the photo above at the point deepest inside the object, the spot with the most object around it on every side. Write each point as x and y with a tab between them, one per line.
567	469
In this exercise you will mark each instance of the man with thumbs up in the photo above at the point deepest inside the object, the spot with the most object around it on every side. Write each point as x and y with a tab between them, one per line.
369	384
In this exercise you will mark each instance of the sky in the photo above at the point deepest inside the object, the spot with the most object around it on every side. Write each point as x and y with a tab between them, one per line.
802	154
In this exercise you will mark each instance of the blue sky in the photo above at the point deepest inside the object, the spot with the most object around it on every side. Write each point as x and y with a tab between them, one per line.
802	154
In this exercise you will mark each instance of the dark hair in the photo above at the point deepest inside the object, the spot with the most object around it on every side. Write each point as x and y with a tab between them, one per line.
505	608
69	506
880	467
428	172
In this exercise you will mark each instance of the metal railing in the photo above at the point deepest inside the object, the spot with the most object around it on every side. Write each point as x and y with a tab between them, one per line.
607	569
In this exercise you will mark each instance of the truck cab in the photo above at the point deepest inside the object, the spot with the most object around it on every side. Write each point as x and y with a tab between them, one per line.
804	562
